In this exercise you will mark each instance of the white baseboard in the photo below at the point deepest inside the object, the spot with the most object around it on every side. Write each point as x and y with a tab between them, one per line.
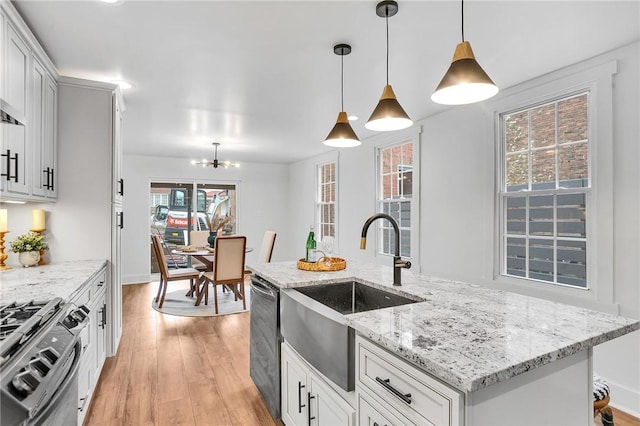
625	399
137	279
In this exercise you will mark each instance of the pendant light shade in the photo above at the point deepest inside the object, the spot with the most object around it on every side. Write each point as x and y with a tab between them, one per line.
465	82
342	135
388	114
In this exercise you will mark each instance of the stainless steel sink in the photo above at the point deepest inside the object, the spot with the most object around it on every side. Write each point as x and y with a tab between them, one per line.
312	322
351	297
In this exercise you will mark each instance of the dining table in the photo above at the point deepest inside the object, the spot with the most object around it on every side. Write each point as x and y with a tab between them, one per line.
204	255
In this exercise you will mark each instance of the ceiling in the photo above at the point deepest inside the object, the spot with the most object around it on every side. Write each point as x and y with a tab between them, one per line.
261	77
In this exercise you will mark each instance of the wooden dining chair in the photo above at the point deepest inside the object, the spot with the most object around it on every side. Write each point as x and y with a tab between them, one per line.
228	270
266	249
166	274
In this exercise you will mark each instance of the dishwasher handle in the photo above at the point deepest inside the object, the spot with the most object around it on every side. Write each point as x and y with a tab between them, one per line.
263	289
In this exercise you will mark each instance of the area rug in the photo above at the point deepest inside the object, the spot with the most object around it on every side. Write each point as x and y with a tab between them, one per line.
176	303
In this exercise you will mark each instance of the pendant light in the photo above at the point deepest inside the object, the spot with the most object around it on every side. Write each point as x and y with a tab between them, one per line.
388	114
342	135
465	82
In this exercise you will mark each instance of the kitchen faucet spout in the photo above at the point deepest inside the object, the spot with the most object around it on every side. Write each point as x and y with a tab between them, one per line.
397	260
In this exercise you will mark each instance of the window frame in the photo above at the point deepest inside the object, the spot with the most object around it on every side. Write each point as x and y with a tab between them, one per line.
413	136
595	76
319	203
529	193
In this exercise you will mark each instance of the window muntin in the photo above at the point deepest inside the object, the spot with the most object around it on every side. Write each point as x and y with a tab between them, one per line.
395	174
545	191
326	201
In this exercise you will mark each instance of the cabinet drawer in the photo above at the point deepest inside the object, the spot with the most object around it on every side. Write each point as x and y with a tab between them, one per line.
371	413
411	391
91	289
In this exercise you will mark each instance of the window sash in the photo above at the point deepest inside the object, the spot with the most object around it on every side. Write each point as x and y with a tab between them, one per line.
326	200
549	242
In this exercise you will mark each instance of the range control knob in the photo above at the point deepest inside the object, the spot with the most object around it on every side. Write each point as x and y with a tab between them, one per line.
25	382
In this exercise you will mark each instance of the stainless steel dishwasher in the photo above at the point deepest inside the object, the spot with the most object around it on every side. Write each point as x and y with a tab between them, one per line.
265	342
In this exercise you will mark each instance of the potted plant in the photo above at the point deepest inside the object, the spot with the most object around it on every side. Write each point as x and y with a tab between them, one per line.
28	247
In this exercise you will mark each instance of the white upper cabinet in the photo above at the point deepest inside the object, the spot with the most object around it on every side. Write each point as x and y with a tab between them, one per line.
41	132
28	84
118	183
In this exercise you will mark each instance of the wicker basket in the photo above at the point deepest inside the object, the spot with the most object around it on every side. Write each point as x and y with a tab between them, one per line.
322	265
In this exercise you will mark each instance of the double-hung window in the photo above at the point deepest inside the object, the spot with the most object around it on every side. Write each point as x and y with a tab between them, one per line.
326	201
395	193
545	191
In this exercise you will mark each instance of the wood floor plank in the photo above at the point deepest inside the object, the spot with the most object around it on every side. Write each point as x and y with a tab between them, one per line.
141	404
208	406
176	413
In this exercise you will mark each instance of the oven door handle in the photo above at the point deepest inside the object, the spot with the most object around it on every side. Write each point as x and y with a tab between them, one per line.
63	390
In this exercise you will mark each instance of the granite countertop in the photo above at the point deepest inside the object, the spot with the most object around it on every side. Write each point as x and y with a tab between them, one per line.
467	335
63	279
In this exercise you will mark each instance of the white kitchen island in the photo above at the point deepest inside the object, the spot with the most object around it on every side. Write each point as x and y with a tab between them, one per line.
512	359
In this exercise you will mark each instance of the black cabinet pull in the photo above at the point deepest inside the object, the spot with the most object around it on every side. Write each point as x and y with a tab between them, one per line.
15	178
45	172
300	404
52	184
84	401
309	398
103	313
121	184
120	220
9	159
406	397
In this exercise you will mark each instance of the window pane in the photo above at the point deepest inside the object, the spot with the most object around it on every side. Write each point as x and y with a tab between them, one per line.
405	243
387	186
541	259
572	215
407	153
405	215
386	161
543	169
573	165
407	183
573	119
543	126
516	215
395	158
517	172
572	263
516	256
541	215
517	132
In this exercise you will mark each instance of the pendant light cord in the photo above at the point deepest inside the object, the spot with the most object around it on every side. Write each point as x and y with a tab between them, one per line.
342	81
386	18
462	17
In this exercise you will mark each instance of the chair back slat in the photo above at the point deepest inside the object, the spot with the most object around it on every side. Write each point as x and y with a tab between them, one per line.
162	260
229	258
266	250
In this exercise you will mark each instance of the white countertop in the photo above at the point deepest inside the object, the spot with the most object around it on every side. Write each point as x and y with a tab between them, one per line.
466	335
63	279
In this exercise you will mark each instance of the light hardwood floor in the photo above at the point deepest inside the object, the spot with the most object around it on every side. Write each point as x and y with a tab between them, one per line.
173	370
186	371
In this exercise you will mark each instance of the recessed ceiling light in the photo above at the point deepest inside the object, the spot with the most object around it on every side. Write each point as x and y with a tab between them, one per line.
353	117
111	1
123	84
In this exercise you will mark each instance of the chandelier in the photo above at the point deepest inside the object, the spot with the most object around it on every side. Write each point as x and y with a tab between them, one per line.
215	162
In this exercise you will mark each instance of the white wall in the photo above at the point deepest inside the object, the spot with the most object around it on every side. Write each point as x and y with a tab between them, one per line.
262	205
458	210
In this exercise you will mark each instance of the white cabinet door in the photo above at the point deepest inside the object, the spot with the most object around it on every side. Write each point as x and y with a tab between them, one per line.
36	131
118	183
100	318
327	408
294	389
84	391
115	295
50	143
14	165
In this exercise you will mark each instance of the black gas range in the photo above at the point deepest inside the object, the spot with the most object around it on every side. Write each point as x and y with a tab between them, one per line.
39	355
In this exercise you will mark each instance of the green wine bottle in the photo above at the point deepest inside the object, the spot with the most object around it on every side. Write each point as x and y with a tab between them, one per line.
311	246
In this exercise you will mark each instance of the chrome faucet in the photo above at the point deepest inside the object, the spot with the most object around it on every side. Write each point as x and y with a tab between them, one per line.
397	261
